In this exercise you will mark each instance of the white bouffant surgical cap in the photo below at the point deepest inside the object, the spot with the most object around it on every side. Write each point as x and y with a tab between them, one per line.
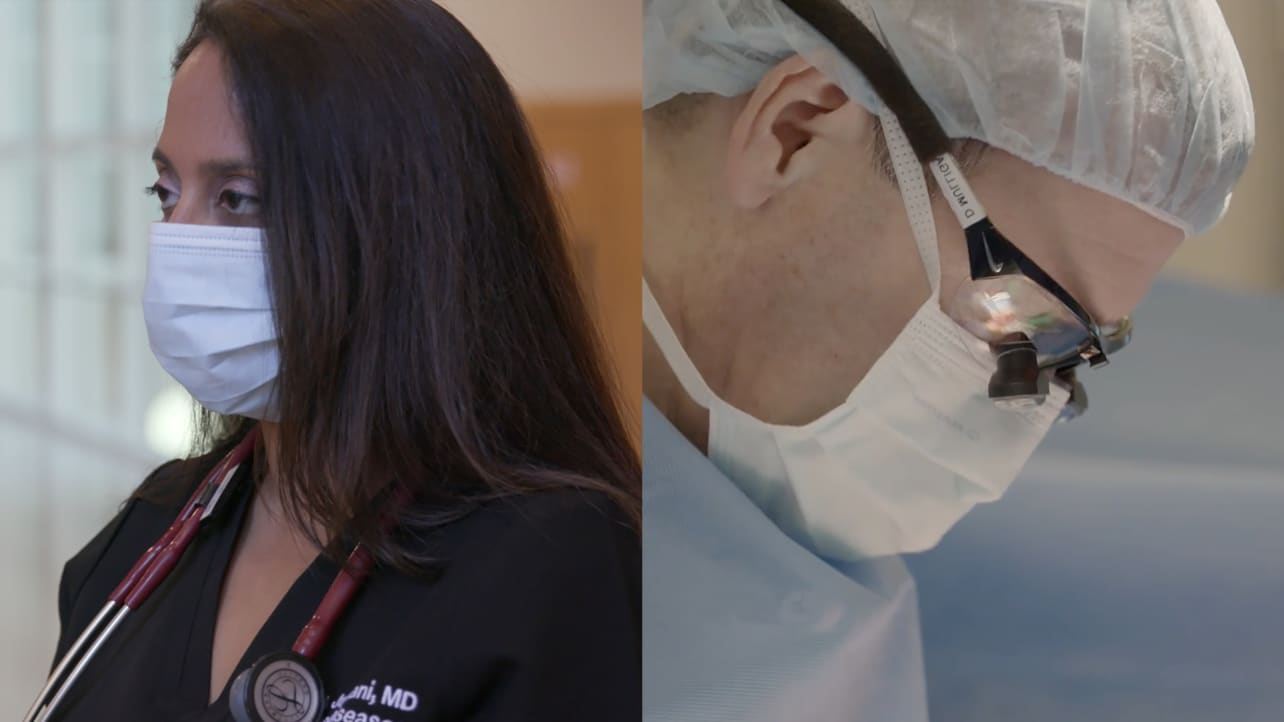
1144	100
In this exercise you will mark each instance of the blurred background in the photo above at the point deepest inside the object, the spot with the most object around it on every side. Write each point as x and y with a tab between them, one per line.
85	412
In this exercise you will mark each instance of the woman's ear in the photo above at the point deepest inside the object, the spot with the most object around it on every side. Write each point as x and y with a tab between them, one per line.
795	121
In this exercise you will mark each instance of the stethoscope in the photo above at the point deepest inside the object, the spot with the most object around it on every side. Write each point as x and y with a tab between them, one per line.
280	687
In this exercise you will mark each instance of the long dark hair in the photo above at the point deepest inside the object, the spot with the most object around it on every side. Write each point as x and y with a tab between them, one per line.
431	330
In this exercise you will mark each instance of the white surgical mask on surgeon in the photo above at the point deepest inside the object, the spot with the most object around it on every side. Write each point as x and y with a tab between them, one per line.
209	316
911	450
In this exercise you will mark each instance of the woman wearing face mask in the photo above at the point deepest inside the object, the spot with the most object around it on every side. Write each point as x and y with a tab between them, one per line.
842	362
362	278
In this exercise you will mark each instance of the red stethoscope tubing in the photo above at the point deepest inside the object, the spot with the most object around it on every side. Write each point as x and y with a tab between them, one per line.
345	584
146	574
160	559
172	540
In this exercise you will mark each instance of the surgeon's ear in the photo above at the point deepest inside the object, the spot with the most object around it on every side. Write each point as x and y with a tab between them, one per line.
795	121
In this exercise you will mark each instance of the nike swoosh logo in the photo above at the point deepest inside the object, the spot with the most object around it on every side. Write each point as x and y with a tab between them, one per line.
996	267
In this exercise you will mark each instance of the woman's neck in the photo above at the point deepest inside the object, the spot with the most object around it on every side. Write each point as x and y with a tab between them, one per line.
268	512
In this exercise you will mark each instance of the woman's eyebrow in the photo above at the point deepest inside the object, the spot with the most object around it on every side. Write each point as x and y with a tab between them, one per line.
209	168
222	167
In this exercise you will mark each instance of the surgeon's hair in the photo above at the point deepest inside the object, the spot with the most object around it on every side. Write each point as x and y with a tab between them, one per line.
432	334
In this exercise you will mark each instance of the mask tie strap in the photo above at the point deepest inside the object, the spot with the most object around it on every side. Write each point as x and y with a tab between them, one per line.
688	375
918	203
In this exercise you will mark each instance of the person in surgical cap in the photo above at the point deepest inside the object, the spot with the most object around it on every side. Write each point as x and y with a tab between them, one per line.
856	332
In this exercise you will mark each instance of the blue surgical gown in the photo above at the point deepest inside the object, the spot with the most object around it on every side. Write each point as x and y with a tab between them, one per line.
743	624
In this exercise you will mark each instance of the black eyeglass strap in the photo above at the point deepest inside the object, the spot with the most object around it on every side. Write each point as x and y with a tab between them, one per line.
838	25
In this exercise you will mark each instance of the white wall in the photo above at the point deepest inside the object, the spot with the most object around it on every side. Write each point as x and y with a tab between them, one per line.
561	49
82	91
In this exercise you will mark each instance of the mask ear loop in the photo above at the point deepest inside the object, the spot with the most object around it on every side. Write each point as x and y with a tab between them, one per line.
918	202
688	375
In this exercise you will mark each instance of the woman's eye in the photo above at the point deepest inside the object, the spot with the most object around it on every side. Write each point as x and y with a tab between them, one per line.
240	204
168	199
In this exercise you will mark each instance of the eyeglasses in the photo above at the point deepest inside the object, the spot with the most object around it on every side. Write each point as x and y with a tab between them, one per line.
1036	329
1010	294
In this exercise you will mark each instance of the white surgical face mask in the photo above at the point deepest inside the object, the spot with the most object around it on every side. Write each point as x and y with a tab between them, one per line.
209	316
911	450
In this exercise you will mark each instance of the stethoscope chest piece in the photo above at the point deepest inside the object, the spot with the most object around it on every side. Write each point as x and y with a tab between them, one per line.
281	687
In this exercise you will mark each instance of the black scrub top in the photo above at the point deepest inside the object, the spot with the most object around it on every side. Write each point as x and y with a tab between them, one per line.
535	616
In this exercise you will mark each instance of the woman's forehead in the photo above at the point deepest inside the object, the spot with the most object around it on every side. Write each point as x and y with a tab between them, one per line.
201	118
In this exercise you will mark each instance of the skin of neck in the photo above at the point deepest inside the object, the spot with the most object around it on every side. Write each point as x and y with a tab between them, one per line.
268	519
269	487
